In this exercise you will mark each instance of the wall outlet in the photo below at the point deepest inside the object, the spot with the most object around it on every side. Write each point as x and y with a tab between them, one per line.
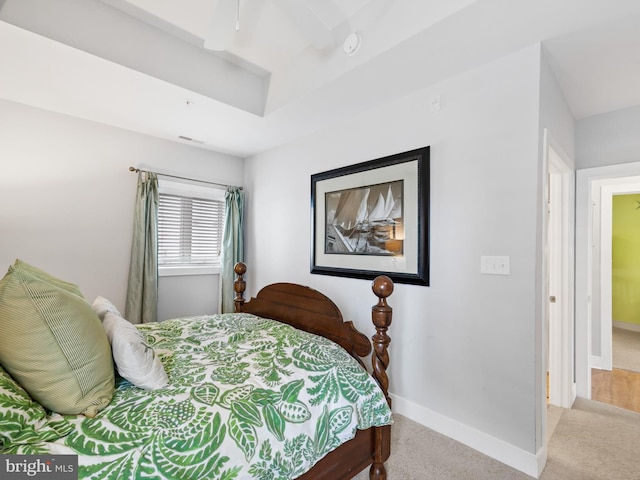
494	265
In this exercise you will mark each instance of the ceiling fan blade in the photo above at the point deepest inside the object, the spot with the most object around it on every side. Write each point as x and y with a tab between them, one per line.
316	19
222	25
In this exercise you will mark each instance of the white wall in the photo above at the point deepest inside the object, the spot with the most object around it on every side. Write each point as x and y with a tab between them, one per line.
463	351
67	197
182	296
555	113
607	147
608	139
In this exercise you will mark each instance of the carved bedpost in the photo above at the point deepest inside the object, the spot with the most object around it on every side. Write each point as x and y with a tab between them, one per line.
239	286
381	316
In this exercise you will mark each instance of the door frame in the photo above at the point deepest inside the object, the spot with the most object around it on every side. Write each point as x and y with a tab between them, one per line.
602	194
589	191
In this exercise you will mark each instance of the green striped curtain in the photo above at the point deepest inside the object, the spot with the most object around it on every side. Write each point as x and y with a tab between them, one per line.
142	290
232	245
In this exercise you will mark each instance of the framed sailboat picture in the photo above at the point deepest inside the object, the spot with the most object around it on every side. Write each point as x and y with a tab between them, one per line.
372	218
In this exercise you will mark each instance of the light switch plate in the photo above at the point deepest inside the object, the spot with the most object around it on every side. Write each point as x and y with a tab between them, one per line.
492	265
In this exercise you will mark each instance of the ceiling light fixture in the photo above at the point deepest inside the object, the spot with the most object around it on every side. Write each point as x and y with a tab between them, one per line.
351	44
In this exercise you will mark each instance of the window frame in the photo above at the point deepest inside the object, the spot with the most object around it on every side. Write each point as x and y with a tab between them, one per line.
181	189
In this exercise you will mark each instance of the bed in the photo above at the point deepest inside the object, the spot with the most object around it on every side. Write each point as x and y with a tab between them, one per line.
276	390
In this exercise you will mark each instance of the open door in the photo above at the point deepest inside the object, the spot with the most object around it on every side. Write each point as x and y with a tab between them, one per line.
560	287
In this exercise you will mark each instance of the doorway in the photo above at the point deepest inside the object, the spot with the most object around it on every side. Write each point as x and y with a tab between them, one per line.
603	193
613	382
594	189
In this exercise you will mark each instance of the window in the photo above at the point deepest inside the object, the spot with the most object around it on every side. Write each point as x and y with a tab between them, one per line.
190	223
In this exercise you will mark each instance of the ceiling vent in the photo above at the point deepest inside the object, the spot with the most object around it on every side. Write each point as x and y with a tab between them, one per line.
189	139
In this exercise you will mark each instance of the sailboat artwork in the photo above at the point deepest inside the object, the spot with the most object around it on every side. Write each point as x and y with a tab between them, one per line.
365	220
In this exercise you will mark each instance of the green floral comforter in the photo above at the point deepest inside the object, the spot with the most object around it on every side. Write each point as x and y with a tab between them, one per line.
248	398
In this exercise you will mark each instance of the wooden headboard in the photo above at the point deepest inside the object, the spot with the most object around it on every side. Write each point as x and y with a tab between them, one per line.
304	308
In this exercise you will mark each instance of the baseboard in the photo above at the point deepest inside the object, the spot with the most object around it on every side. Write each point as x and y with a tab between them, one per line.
515	457
634	327
541	461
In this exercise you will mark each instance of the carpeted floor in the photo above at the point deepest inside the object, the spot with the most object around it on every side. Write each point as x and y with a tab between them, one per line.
592	441
418	453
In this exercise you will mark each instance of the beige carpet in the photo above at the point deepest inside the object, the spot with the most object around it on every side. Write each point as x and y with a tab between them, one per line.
592	441
626	349
418	453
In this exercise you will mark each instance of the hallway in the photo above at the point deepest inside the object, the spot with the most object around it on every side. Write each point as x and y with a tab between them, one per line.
621	386
617	387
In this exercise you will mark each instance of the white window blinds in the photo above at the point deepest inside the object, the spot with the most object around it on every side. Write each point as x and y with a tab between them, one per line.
189	231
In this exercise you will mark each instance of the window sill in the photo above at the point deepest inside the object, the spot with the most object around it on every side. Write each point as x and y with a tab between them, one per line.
182	271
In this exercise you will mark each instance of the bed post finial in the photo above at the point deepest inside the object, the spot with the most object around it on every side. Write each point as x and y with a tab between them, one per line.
382	286
239	285
381	314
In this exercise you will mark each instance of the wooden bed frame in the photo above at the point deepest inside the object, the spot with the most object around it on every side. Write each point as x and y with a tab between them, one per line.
310	310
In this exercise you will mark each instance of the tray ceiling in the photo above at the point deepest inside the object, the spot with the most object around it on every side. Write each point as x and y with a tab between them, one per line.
184	68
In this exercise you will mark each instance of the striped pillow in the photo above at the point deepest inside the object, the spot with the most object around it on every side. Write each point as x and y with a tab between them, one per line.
53	343
42	275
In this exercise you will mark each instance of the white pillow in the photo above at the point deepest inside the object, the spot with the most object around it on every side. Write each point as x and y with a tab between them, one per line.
101	306
134	359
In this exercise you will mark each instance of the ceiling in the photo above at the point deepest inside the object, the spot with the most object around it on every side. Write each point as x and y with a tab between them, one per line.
175	69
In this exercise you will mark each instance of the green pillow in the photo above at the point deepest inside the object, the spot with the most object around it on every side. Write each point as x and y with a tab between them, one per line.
42	275
23	421
53	343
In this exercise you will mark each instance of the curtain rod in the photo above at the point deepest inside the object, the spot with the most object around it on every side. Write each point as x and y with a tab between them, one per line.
136	170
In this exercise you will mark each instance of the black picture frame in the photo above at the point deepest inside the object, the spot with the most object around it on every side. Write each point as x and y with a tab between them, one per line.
350	237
